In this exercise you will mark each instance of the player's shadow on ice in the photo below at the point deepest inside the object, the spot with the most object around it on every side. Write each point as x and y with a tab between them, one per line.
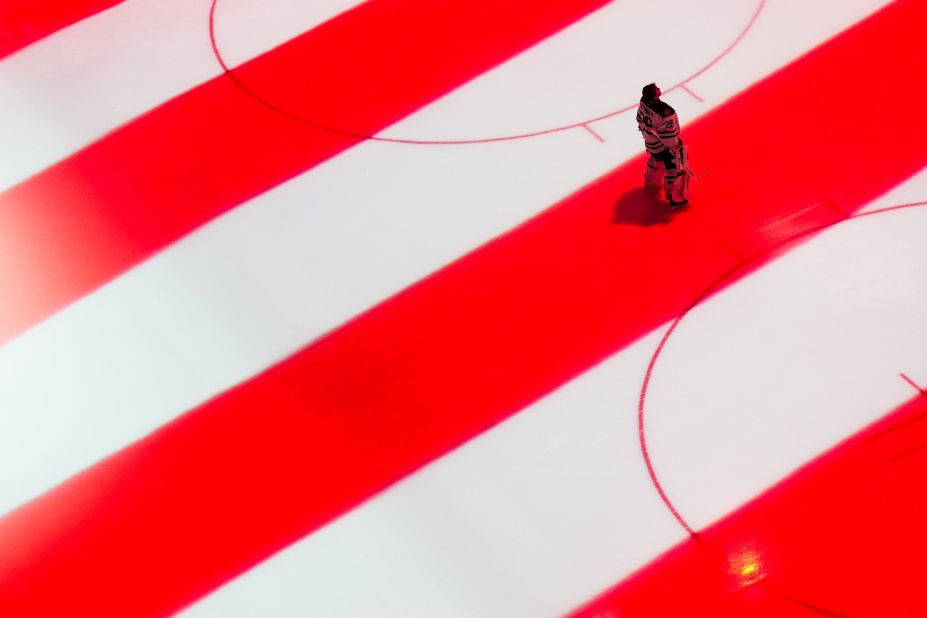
641	207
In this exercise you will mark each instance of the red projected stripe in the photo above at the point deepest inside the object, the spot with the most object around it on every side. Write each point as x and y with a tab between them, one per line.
23	22
843	536
85	220
170	518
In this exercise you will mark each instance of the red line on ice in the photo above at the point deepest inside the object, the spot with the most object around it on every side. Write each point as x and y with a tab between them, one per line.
594	134
264	99
820	538
694	96
908	453
269	461
914	384
721	281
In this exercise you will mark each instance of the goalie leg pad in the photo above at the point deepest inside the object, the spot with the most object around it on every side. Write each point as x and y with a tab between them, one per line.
676	184
656	172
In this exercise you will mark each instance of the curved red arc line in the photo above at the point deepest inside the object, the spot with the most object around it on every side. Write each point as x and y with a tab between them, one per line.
642	433
730	48
645	388
717	284
460	142
332	425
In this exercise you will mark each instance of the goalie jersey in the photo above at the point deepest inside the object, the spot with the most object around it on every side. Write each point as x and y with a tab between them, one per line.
659	124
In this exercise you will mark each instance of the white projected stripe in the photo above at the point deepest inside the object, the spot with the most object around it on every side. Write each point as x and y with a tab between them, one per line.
543	512
525	521
266	279
77	85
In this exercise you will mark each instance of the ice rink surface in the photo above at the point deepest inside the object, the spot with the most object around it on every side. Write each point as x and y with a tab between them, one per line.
352	308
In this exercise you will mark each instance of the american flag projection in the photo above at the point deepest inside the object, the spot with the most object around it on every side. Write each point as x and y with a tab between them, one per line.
348	309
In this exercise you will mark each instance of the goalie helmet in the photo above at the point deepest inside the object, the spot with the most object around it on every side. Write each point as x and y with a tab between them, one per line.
651	91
